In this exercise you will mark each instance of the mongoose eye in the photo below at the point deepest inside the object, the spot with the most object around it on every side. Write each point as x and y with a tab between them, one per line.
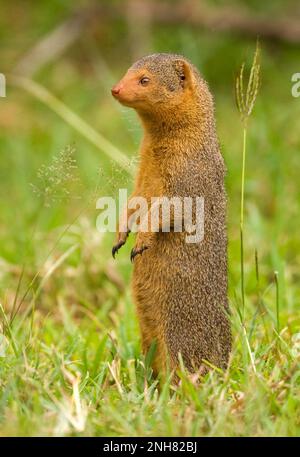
181	78
144	81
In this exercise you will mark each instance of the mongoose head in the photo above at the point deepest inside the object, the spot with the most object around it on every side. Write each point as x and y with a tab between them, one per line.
160	85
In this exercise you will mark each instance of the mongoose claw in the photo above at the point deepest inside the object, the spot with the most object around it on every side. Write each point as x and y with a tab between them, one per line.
135	252
116	247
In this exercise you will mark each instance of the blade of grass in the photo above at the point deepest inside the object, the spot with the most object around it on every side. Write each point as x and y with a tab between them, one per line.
75	121
10	334
242	221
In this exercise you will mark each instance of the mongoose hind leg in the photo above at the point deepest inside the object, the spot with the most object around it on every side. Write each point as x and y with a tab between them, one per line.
152	342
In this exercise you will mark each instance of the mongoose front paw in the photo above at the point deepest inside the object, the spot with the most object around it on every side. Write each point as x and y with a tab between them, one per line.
116	247
136	251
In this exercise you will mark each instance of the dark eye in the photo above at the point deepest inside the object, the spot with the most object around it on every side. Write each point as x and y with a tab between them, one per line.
144	81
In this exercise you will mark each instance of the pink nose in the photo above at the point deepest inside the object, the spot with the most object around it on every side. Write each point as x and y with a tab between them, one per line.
116	89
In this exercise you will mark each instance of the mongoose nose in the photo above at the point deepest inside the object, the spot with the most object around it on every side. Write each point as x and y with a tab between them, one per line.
116	89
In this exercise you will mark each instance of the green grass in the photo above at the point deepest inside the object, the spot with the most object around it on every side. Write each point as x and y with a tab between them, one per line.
71	361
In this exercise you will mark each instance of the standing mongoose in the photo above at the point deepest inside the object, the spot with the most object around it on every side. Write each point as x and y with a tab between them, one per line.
180	288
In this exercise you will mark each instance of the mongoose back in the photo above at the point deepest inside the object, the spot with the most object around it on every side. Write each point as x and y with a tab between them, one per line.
180	288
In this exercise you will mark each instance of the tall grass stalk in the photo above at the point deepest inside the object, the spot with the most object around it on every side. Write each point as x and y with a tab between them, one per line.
277	301
261	308
245	99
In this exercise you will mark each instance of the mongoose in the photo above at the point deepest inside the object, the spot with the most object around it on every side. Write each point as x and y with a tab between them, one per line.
180	288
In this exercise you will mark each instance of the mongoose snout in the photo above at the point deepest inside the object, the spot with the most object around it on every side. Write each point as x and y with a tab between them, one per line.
115	90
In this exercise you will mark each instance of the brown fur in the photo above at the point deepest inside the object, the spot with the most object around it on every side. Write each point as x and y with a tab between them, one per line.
180	289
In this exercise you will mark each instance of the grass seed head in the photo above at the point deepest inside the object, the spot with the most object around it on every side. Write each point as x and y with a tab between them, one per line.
246	94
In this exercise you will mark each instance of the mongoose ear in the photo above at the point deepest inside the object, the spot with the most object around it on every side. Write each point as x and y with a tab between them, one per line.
185	73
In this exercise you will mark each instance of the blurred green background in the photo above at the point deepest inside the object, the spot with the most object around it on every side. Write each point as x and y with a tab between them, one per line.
56	270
